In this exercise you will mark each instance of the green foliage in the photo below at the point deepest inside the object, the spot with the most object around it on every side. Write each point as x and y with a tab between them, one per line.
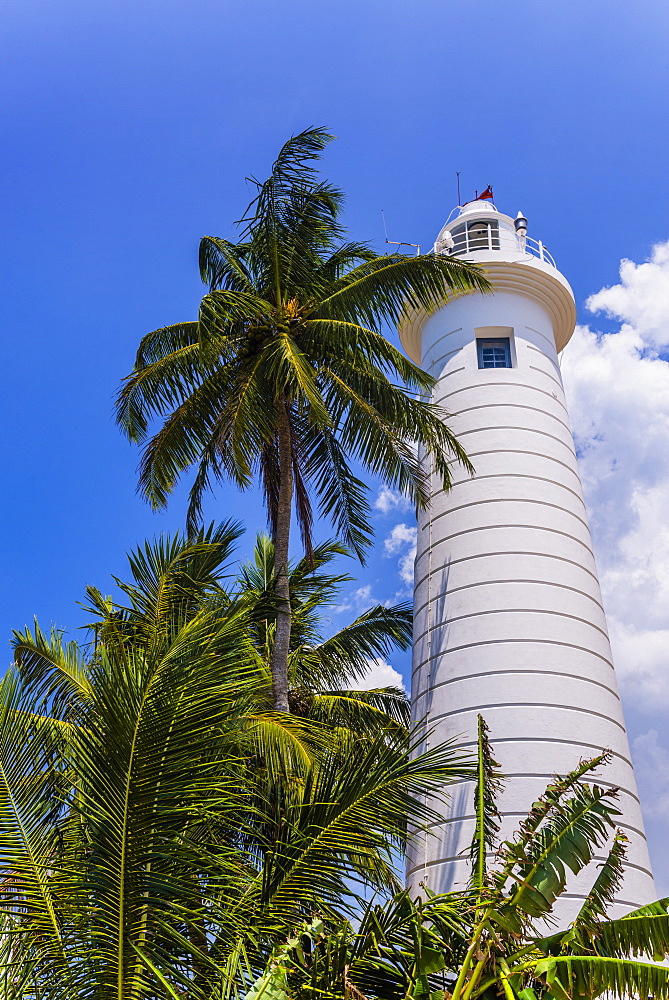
162	829
488	784
290	326
488	939
285	378
319	666
165	833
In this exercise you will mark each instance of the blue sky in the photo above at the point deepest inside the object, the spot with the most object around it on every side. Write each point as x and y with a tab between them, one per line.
128	130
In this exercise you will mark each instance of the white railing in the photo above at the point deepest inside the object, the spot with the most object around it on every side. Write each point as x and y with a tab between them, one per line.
537	249
497	239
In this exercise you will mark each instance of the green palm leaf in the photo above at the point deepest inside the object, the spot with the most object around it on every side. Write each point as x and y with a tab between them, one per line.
35	910
590	976
605	886
330	832
567	839
488	784
291	379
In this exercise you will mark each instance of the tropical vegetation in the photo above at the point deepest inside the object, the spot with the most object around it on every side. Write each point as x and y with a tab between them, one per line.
285	379
498	936
161	826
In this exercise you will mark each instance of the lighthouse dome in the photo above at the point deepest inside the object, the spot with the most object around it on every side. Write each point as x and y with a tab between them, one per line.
480	231
512	262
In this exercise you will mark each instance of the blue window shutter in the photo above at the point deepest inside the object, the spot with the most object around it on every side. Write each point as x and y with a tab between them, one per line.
494	353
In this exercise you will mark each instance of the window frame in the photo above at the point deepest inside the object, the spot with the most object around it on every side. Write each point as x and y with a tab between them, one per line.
505	341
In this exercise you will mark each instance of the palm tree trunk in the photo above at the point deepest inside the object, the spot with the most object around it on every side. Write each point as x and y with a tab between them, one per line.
282	585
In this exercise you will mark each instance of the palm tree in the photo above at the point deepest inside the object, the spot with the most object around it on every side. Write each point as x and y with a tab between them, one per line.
322	669
160	826
494	938
284	376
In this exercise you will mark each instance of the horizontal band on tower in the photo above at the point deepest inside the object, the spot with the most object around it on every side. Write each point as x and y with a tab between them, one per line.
551	361
526	704
511	671
548	375
490	583
517	451
471	818
512	406
514	385
459	859
441	359
453	371
617	901
567	442
550	341
494	527
509	475
597	859
509	611
505	552
513	500
495	642
444	336
538	642
544	740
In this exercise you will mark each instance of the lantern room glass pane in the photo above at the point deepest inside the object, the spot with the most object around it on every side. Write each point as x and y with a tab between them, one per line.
483	234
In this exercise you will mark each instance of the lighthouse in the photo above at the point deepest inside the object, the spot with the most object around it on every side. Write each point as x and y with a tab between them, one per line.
509	621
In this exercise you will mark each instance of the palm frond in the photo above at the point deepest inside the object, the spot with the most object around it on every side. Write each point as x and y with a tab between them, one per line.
394	283
590	976
171	575
342	494
50	669
359	346
330	834
632	936
567	839
607	883
347	653
181	441
223	309
292	167
488	784
30	786
223	265
157	387
385	708
161	343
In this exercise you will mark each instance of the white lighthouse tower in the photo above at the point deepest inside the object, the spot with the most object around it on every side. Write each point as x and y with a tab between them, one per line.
508	611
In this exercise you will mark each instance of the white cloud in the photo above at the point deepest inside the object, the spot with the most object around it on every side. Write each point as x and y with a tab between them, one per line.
361	599
378	674
357	600
403	537
400	536
363	596
618	390
642	297
389	500
651	767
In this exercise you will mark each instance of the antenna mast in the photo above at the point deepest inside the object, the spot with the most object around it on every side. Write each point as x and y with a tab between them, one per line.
394	243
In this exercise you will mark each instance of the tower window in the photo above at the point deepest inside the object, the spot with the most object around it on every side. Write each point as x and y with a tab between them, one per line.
494	353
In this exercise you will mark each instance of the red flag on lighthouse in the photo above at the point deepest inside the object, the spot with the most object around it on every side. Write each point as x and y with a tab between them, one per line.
485	194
